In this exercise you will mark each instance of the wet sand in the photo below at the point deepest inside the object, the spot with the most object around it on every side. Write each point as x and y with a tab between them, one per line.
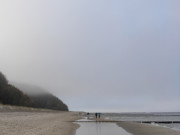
100	128
146	129
103	127
37	123
125	128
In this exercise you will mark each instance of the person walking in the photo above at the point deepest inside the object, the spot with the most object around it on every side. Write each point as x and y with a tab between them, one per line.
88	115
96	115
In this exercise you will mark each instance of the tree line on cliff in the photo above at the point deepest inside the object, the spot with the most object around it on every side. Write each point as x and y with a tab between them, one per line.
11	95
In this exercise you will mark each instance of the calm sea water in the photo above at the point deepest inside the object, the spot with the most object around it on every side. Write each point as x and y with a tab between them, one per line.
140	117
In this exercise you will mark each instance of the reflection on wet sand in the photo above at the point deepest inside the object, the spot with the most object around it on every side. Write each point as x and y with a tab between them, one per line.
100	128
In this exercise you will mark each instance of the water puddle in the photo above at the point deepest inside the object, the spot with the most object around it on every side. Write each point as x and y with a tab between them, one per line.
100	128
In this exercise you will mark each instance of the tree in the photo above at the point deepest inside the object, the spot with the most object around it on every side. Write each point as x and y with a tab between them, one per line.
11	95
3	80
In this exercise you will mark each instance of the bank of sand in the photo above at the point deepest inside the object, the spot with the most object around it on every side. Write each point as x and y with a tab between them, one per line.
146	129
29	121
37	122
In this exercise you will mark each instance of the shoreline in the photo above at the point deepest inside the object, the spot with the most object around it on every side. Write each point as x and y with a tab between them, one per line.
146	129
138	128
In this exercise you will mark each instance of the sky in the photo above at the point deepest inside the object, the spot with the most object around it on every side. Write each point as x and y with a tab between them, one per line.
95	55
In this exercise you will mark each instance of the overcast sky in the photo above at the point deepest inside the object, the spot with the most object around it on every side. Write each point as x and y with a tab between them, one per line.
95	55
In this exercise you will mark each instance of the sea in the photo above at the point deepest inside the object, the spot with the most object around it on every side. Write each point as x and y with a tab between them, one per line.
173	118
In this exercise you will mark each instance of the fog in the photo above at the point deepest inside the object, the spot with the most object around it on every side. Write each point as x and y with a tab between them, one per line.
96	55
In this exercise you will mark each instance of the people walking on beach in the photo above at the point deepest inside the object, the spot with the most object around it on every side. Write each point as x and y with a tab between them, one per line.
98	115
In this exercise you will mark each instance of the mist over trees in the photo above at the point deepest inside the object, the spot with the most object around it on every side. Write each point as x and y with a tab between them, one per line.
41	98
9	94
48	101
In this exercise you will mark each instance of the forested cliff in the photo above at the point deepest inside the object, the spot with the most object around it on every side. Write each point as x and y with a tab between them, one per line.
12	95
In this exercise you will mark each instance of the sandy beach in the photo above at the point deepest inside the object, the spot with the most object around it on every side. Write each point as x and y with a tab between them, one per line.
30	121
36	122
146	129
